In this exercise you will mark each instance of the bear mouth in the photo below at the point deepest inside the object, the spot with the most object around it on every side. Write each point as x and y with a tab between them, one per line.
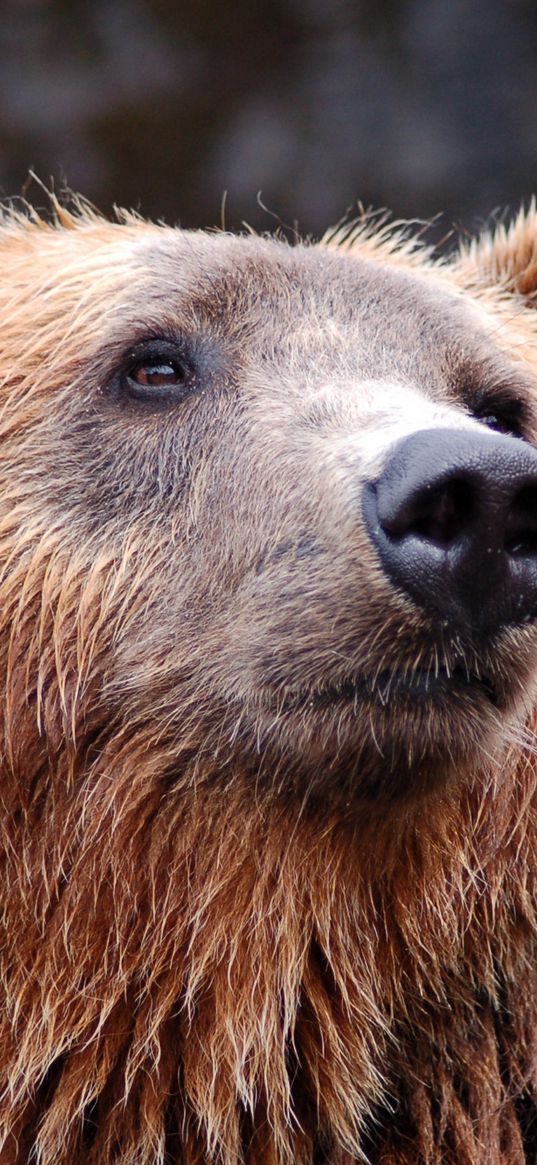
417	685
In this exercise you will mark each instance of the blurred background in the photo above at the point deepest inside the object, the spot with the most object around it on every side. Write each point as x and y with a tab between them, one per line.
296	109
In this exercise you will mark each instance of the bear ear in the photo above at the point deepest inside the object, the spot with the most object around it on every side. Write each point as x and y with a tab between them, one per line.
504	260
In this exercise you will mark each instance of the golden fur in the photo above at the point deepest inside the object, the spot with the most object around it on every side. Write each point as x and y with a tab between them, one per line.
224	938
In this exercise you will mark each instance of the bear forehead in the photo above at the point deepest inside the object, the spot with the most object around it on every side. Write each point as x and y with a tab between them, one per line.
229	271
312	301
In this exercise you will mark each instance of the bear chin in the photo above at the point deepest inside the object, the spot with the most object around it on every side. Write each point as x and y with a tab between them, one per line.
399	739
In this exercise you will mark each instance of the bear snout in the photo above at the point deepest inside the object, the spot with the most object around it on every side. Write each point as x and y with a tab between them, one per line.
453	518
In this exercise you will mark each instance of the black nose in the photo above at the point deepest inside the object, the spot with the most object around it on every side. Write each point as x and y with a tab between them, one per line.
454	520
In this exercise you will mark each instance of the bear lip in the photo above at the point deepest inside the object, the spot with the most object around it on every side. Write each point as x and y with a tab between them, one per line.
420	684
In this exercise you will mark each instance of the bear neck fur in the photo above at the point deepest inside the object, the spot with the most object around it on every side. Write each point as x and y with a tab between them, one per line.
200	980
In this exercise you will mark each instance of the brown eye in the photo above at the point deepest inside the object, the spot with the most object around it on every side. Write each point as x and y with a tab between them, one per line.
502	420
159	372
164	374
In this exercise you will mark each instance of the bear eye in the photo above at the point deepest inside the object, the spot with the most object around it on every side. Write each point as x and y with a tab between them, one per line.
149	374
157	371
502	418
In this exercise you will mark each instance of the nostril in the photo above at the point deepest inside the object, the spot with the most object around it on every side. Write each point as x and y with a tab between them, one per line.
447	510
439	513
521	524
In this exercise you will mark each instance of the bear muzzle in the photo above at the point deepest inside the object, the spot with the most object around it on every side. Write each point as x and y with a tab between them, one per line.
453	518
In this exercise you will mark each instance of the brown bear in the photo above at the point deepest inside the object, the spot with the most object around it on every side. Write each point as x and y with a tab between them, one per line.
268	673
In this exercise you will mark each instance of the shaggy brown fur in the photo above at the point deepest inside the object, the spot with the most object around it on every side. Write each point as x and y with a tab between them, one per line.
247	918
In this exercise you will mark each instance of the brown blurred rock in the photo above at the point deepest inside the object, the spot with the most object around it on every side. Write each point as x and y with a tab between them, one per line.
422	105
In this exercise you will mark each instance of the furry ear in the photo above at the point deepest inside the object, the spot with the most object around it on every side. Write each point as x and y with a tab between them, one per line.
504	259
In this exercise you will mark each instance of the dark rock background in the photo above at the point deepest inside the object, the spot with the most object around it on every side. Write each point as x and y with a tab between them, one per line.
305	106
